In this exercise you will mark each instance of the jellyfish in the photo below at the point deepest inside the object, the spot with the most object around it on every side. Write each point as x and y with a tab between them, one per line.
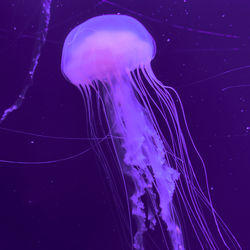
108	58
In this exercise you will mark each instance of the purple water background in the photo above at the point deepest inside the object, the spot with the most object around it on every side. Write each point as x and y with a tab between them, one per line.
203	51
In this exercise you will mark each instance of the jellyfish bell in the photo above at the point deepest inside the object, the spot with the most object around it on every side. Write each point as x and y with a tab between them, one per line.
111	54
106	46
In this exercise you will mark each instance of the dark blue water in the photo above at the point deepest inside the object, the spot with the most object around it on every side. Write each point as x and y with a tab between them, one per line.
203	51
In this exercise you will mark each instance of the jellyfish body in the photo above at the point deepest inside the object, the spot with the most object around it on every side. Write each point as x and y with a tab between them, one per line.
110	56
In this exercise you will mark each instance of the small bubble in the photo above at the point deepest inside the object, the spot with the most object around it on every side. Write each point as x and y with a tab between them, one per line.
32	142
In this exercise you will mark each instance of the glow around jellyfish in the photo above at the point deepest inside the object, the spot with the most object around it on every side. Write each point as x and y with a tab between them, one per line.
108	58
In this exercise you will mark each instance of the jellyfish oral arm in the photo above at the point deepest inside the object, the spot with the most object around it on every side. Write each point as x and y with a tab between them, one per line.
144	162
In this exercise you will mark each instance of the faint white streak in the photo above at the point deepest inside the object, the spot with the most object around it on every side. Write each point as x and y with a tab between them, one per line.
40	41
